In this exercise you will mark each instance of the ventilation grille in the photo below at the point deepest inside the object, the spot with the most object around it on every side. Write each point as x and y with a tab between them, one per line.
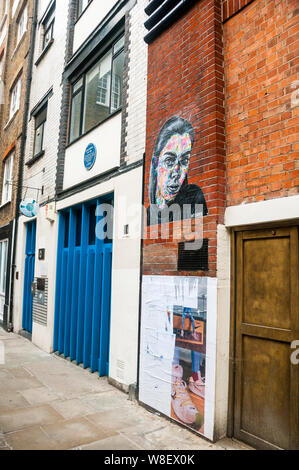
194	260
120	369
40	312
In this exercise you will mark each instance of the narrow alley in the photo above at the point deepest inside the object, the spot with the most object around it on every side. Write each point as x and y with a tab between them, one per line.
48	403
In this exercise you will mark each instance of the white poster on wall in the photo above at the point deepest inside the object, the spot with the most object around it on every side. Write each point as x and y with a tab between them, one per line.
178	349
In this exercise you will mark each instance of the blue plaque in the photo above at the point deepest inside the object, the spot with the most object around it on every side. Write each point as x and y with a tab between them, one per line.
90	156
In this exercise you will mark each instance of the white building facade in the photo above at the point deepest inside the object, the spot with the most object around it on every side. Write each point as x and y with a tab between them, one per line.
37	235
100	161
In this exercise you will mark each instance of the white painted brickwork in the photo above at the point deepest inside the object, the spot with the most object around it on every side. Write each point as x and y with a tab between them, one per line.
47	74
136	120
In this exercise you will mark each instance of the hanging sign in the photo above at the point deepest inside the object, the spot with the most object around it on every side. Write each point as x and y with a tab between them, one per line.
90	156
29	207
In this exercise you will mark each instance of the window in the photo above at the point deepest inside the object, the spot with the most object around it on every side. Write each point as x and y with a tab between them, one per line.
48	27
7	179
22	24
40	120
15	95
81	5
98	93
3	265
2	88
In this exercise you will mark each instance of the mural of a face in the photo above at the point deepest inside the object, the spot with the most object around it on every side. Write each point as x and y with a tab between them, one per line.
172	168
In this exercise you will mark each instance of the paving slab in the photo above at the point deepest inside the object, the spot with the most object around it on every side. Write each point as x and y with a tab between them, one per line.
117	442
32	438
108	401
39	396
47	403
75	432
72	408
15	420
11	400
115	419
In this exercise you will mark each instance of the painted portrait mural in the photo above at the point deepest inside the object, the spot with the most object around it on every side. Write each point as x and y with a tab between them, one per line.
168	183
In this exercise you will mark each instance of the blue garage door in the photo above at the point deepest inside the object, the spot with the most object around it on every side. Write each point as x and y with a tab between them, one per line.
83	287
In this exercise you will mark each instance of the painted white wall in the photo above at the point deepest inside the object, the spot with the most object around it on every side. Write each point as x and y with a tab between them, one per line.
46	237
106	138
90	19
43	172
222	331
20	268
126	278
137	85
273	210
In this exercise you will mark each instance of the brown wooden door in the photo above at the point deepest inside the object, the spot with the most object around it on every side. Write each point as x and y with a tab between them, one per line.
266	411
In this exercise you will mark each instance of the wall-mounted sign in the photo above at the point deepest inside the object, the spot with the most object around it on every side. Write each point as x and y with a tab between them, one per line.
90	156
29	207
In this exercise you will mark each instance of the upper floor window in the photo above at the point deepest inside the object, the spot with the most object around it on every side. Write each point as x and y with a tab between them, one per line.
22	24
40	121
98	93
3	8
48	27
15	96
7	179
81	5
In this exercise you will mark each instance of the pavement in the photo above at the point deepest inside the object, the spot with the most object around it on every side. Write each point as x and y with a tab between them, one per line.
49	403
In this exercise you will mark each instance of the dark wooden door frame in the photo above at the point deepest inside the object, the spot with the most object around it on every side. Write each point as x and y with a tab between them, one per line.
232	348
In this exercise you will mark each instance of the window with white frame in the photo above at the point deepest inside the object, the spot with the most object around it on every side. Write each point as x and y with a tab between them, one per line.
3	265
40	121
48	27
22	24
7	179
15	96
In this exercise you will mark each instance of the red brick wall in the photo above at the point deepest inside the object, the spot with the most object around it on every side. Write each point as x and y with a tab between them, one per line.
261	46
185	78
231	7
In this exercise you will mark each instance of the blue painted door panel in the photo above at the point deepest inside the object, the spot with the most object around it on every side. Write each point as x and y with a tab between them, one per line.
29	276
83	289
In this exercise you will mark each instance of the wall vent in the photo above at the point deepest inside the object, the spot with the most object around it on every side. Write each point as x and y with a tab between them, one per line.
194	260
120	372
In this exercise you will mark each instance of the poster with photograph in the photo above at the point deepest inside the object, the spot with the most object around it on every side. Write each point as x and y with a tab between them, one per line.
173	363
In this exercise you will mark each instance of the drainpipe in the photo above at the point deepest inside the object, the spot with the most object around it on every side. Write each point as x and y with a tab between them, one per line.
21	160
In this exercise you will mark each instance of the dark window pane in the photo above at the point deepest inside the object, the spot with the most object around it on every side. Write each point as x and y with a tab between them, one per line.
92	224
75	116
97	93
79	7
66	229
38	140
78	226
48	34
117	81
41	117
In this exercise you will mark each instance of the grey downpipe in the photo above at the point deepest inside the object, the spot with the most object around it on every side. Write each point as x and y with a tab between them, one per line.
21	160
